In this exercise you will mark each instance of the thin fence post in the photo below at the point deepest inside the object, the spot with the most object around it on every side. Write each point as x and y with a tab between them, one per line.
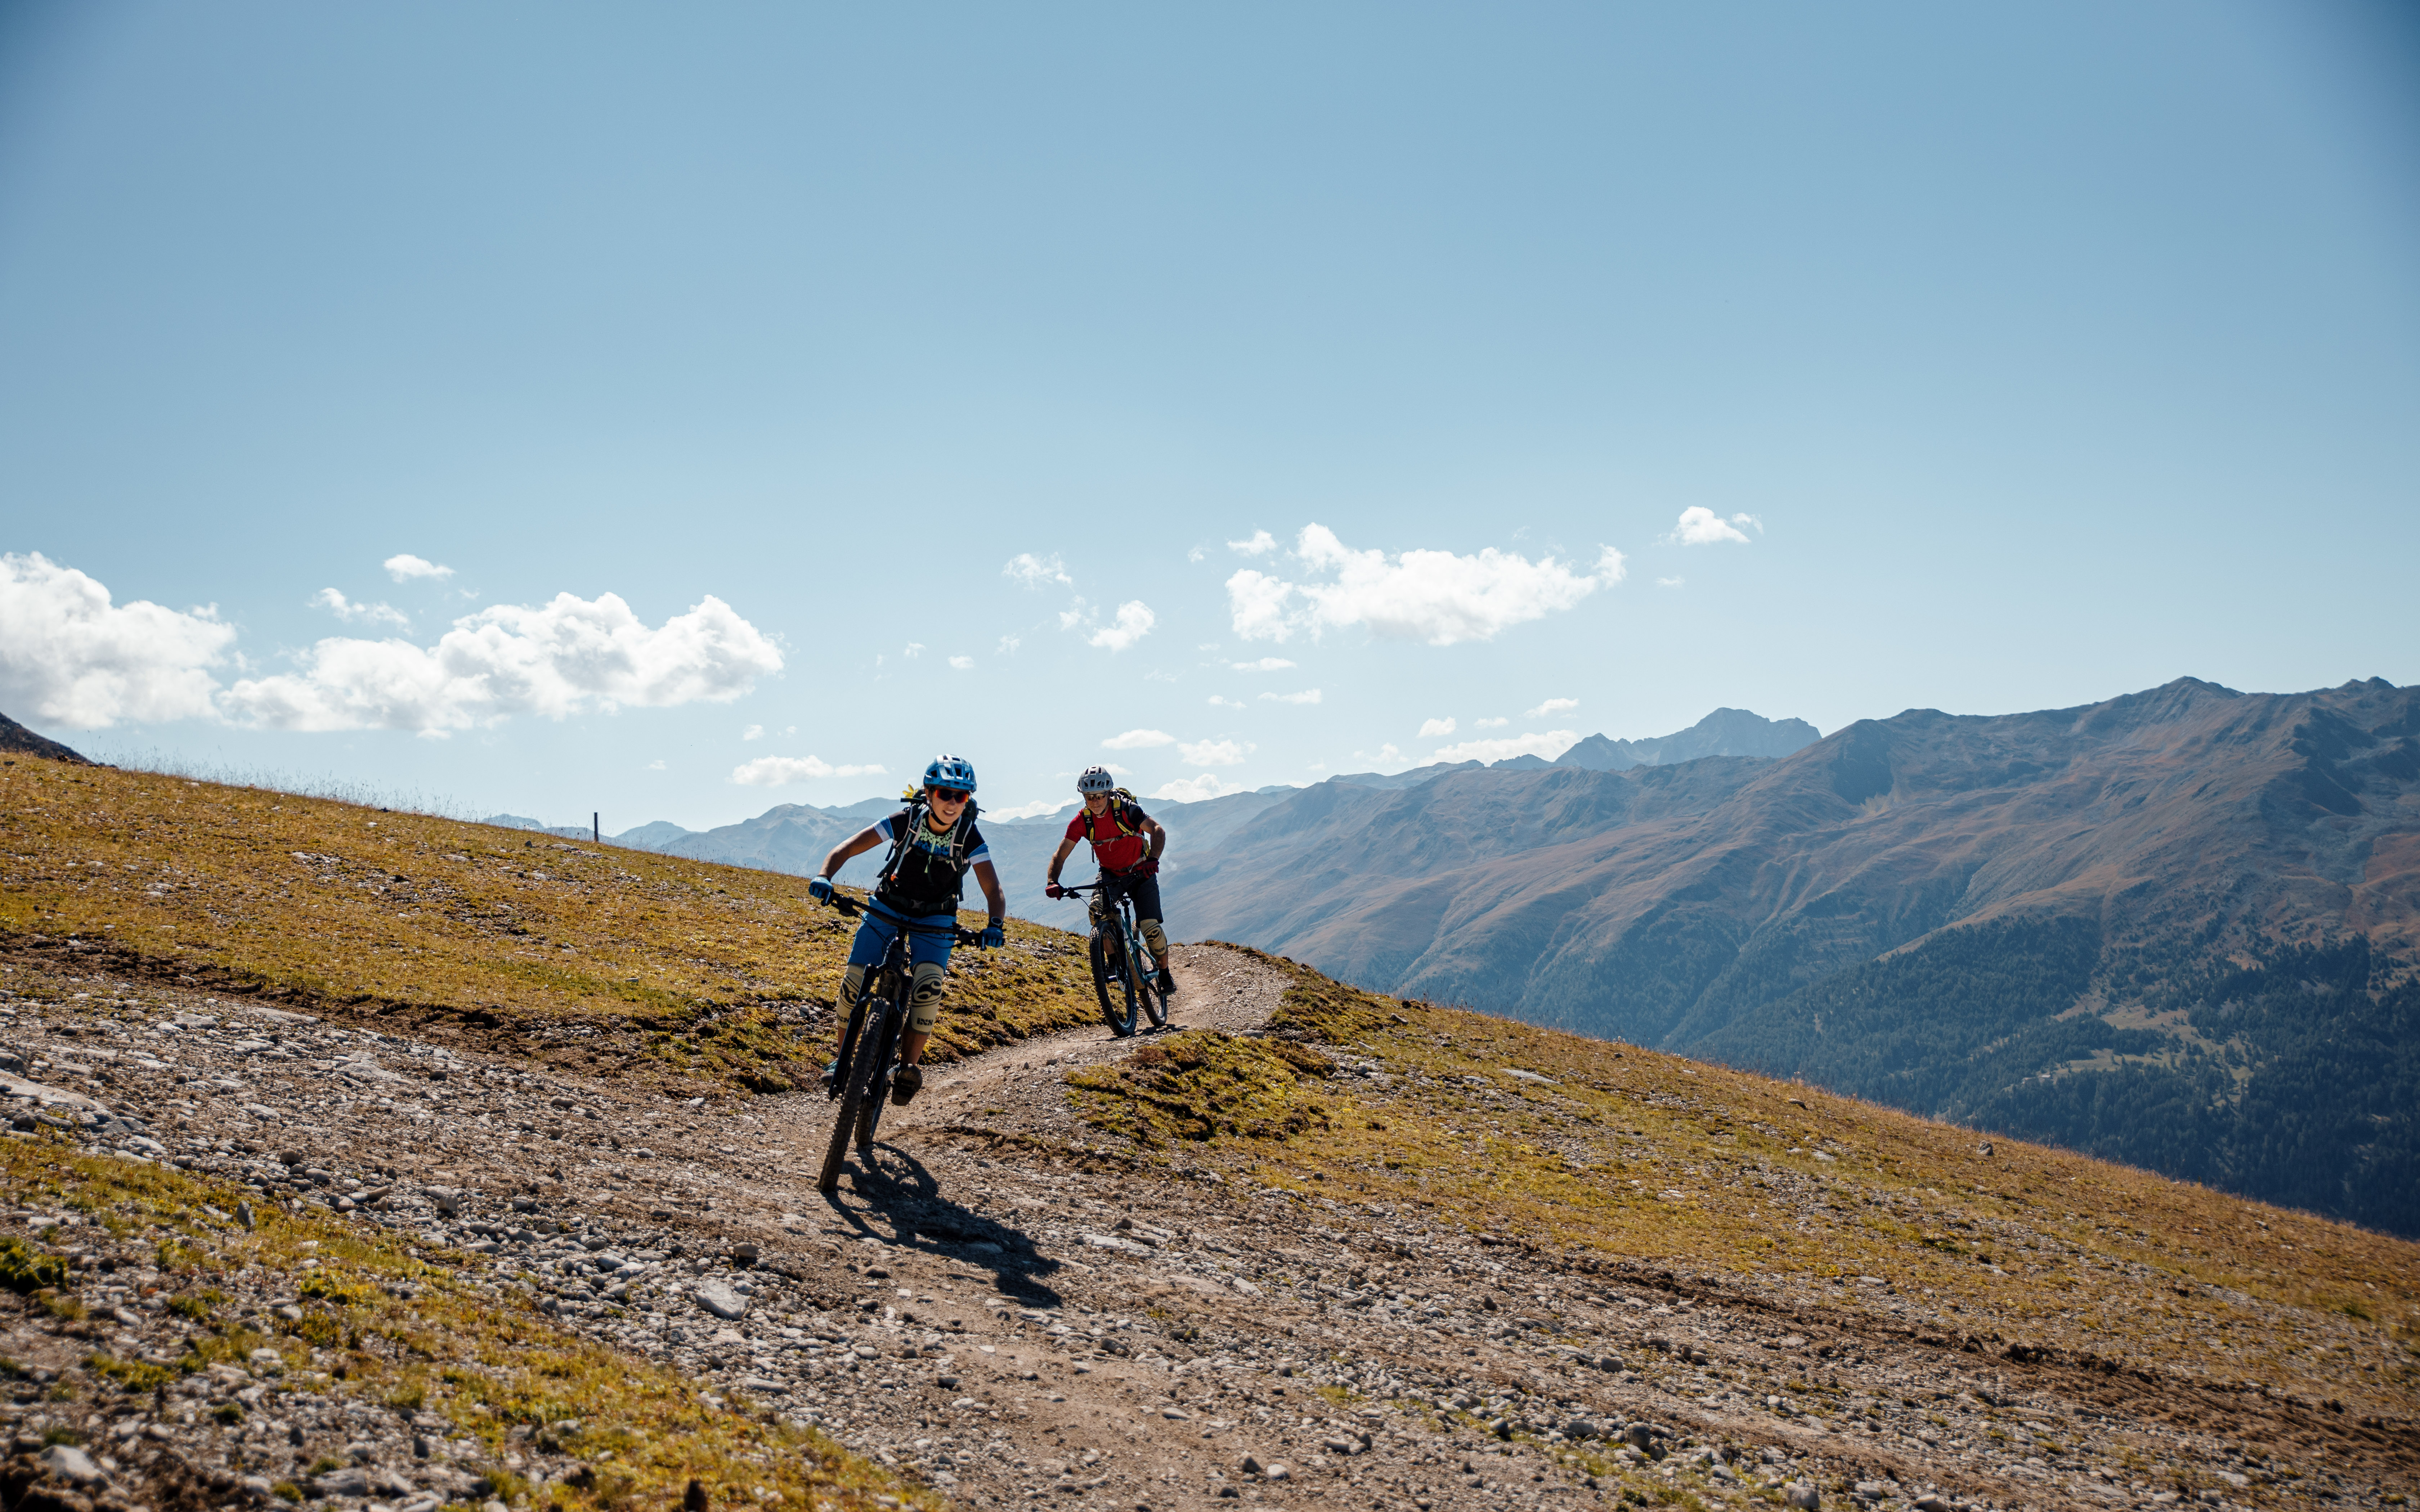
596	829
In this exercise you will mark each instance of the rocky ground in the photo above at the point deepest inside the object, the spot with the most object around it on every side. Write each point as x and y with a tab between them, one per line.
1011	1311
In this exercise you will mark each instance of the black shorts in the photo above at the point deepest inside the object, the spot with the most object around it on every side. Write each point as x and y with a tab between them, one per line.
1145	891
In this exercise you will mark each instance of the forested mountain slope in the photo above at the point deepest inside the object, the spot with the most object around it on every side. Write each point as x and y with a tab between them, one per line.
2196	899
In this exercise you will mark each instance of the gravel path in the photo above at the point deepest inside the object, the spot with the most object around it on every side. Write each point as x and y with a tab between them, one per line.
1012	1313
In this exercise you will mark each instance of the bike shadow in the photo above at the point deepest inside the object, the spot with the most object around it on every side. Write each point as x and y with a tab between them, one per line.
902	1204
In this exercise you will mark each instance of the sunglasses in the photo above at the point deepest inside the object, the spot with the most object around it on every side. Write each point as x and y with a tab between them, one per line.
948	794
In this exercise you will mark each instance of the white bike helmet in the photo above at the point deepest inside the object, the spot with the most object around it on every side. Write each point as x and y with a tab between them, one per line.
1096	779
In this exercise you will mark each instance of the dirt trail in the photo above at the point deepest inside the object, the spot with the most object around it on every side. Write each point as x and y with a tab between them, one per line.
1019	1316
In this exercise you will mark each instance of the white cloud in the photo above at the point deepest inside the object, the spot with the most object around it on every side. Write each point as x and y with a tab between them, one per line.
1548	746
1214	753
915	649
1261	543
656	765
1194	553
1197	789
775	771
755	731
1552	707
344	609
1670	583
1218	703
1700	526
1135	620
68	656
404	568
1008	644
1488	724
962	664
1138	740
1309	695
1388	755
1257	603
1028	810
1266	664
1434	597
1037	572
1072	617
1431	729
556	659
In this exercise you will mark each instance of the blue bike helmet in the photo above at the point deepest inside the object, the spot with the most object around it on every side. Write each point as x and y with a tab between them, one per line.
951	772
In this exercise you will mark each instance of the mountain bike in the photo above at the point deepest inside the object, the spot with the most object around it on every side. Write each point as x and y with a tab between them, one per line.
1123	976
861	1082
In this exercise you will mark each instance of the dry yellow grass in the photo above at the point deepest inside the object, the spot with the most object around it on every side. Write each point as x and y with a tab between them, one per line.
1630	1156
479	1355
408	917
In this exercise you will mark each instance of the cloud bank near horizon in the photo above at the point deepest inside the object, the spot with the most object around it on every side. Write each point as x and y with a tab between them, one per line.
69	655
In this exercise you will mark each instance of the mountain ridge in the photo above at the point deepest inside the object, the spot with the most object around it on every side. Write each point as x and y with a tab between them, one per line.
2187	826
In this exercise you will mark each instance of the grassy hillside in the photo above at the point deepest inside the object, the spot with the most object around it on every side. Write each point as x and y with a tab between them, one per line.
602	952
1614	1157
1598	1155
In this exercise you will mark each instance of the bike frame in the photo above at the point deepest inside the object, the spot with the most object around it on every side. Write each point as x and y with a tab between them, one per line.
862	1083
1133	955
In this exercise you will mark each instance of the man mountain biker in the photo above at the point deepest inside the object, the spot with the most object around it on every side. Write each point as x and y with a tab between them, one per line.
934	843
1128	844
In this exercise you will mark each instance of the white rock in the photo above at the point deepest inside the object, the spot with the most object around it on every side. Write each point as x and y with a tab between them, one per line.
720	1300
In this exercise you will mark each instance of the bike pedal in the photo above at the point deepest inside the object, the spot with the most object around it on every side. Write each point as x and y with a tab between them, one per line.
904	1085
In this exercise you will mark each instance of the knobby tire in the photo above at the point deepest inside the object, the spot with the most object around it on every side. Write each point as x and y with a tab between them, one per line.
1154	1002
869	1112
864	1059
1122	1024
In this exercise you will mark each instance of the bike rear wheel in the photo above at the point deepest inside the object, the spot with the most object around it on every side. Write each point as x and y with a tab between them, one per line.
1110	985
1154	1002
858	1080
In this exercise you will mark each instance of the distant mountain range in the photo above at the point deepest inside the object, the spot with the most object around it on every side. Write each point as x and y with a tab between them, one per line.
796	836
2178	929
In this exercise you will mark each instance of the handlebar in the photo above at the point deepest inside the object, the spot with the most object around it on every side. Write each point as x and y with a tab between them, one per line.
849	907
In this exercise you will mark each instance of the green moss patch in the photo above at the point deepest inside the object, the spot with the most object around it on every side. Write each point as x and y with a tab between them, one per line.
24	1268
1201	1085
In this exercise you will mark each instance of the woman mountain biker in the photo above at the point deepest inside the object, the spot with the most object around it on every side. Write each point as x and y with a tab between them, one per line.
1128	844
934	842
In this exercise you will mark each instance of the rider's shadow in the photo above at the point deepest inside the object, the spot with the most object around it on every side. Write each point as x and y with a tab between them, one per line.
906	1197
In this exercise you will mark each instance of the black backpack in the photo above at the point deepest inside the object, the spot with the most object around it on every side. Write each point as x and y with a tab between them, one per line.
913	818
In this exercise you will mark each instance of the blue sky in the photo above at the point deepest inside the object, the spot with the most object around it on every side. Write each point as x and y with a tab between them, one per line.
2007	358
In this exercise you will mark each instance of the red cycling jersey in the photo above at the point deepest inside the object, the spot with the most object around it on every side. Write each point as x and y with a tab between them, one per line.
1113	846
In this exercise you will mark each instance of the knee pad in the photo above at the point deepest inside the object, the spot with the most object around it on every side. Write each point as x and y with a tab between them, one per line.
1152	936
852	987
924	996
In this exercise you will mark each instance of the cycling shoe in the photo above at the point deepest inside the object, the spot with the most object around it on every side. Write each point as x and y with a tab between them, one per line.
1166	983
831	1071
905	1084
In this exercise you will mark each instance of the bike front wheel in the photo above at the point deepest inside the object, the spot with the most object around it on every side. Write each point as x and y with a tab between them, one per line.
869	1112
861	1083
1112	984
